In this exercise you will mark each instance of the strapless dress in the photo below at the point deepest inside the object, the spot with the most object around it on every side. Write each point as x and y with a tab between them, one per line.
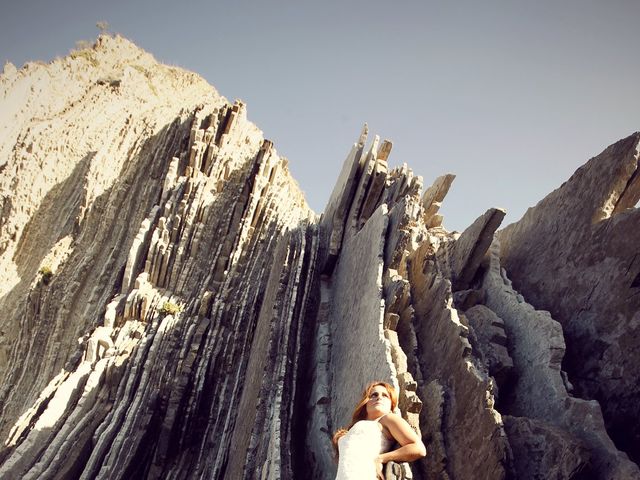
358	449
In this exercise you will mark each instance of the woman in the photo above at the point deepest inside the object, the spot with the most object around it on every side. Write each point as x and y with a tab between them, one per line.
364	447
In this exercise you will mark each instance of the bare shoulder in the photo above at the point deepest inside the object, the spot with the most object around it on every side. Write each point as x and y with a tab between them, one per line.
398	428
391	419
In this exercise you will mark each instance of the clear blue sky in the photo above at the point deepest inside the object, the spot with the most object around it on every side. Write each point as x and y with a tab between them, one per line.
511	96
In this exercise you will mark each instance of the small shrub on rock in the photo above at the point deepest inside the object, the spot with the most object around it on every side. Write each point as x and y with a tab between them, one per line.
169	308
46	273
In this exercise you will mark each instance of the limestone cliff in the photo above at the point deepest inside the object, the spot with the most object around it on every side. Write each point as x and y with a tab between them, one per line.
172	308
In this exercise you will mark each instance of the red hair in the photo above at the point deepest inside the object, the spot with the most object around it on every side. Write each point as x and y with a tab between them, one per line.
360	412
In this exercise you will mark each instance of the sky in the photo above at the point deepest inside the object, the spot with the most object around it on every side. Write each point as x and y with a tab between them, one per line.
510	96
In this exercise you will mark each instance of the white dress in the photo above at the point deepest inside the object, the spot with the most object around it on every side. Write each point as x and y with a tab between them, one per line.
358	449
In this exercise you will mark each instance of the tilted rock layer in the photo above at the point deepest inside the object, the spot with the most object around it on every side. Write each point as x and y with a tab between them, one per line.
172	308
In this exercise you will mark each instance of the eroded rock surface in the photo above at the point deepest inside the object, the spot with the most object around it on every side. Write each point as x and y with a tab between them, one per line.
171	307
577	255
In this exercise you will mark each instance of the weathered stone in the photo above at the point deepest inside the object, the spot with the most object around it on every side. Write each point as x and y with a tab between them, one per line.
375	189
273	353
465	299
356	323
335	215
475	443
492	341
538	390
435	464
399	240
196	320
433	197
369	169
576	255
467	252
158	412
543	451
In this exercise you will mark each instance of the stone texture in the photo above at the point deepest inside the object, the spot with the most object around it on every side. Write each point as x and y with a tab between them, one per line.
197	320
542	451
476	446
537	389
362	349
432	200
432	418
189	207
576	255
465	254
335	215
491	341
355	338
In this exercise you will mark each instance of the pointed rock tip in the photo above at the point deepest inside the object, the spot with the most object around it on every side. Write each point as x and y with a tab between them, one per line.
9	68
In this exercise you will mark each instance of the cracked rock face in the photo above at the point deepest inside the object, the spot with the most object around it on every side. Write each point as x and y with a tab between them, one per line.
577	255
172	308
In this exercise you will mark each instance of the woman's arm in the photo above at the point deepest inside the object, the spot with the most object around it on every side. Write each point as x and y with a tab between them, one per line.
411	446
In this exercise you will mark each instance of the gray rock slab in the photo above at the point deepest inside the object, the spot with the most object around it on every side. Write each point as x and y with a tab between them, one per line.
467	252
359	352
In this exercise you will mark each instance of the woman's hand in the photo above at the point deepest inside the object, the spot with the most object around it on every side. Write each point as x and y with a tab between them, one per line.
379	468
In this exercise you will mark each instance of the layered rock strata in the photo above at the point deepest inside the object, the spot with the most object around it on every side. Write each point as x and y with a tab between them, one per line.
172	260
78	179
172	308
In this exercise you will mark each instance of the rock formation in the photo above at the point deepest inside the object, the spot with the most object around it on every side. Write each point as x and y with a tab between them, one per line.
576	254
172	308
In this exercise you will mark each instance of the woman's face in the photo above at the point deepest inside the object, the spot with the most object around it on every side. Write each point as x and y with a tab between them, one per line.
379	402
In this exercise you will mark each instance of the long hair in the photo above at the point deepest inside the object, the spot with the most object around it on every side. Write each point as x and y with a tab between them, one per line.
360	412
